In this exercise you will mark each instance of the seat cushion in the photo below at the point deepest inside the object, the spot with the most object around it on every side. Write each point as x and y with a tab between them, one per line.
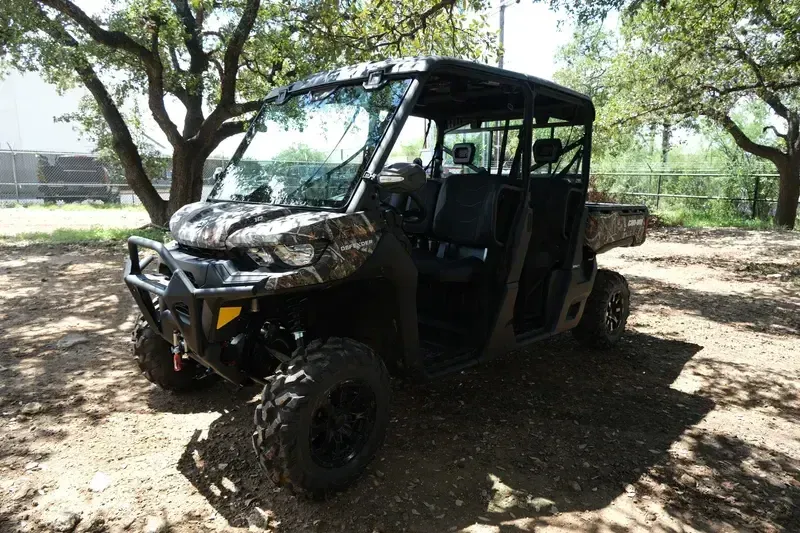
458	270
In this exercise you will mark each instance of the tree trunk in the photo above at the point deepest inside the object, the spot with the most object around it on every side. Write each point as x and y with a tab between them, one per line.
666	138
187	178
137	178
788	193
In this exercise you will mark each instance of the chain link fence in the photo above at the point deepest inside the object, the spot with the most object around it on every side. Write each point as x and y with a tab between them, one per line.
744	195
62	177
58	177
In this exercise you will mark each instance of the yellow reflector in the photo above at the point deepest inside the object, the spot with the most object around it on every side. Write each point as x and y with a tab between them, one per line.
226	314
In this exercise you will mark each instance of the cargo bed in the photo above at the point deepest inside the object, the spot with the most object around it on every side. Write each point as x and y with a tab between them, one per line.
613	225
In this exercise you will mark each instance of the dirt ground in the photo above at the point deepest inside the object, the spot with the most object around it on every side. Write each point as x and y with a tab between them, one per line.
689	425
16	220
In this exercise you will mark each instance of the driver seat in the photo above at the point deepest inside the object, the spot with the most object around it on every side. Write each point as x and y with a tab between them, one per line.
463	222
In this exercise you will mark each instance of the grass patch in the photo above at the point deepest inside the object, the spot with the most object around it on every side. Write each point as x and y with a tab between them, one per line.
698	219
84	236
75	207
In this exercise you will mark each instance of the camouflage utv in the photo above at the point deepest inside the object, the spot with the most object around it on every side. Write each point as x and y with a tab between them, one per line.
319	280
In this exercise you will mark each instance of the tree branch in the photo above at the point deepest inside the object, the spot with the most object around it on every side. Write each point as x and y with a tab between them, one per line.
123	143
234	50
150	59
744	142
228	129
246	107
214	61
193	39
173	56
114	39
784	136
155	91
772	99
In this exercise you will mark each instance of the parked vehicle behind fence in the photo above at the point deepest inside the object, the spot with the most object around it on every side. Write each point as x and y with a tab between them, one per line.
74	178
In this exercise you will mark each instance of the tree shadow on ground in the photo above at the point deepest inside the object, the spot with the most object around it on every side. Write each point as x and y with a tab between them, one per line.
777	314
553	422
749	387
721	483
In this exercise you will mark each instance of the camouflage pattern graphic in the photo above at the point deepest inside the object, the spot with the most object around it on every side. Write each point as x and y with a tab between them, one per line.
208	224
609	229
350	238
342	241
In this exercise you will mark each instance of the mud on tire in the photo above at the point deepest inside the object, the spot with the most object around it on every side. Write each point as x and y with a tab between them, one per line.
154	358
299	399
606	313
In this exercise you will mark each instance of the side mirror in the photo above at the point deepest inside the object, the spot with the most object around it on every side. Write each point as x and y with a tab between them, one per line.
402	178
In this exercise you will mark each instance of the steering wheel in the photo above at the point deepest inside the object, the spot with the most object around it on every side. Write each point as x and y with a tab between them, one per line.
414	215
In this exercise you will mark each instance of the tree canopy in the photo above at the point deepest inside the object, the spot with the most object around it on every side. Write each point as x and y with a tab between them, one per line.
683	60
215	59
691	58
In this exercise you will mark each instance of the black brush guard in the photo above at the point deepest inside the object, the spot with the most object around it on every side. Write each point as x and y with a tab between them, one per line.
190	310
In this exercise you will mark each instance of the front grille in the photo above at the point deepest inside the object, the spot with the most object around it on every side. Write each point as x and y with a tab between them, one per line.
182	309
203	253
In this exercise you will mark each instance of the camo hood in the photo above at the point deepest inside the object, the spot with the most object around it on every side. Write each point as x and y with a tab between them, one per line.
209	224
345	240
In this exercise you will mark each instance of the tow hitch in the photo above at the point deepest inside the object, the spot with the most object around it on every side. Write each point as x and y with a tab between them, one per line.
178	350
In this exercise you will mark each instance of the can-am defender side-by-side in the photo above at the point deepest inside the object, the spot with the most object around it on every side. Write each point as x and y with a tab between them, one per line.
319	279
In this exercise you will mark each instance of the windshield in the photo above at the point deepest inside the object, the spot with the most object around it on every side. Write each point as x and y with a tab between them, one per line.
312	149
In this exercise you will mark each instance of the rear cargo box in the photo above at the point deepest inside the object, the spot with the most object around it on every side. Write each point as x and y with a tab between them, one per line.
613	225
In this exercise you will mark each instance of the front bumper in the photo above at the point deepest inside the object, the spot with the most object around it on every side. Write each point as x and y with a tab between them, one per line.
192	311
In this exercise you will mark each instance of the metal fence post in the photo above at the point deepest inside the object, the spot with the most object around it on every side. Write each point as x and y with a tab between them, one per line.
14	171
658	191
755	195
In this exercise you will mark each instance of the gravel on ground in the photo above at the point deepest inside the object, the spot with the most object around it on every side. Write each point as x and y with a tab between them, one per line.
690	424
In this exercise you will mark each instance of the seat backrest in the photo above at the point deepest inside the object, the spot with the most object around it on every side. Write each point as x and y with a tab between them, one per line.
550	197
465	210
428	195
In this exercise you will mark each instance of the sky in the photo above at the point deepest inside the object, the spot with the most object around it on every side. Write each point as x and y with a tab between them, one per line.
28	104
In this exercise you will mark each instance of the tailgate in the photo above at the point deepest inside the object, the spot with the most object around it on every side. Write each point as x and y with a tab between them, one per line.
613	225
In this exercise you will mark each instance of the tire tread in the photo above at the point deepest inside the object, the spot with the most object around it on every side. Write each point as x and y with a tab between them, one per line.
591	330
275	439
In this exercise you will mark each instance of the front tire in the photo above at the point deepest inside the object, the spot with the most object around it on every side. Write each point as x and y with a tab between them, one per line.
322	417
606	313
154	356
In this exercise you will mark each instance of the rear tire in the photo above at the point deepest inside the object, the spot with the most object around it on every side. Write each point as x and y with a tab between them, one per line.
606	313
154	356
322	417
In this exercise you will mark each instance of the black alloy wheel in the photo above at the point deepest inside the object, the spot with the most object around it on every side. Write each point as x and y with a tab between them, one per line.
322	416
342	424
614	312
605	313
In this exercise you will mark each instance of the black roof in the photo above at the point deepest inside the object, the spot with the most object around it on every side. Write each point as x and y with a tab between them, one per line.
412	65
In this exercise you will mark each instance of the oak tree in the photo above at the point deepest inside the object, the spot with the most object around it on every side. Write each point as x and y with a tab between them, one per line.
216	59
693	58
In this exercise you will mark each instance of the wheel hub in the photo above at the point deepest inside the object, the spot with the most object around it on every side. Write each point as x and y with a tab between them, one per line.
614	312
342	424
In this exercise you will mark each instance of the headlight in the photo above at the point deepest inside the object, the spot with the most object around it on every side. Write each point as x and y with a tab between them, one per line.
260	256
293	255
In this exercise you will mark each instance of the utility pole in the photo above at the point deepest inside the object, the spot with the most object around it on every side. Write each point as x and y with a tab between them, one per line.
498	141
503	5
502	33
